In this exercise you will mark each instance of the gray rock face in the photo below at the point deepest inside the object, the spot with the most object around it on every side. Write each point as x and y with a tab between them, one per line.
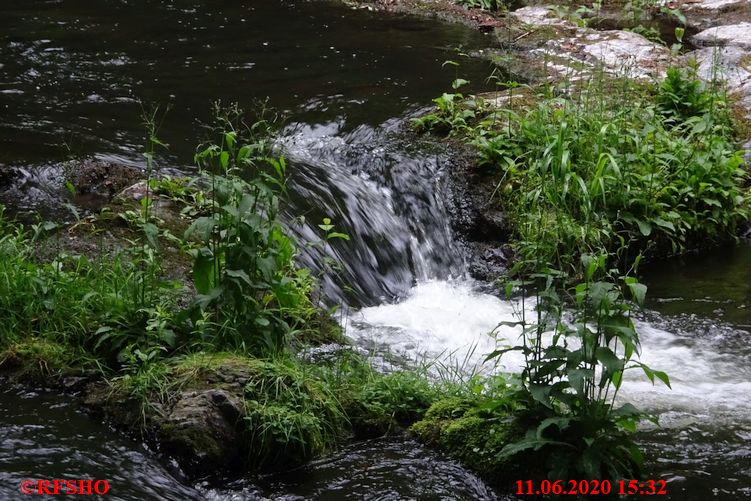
201	431
577	53
703	14
540	16
731	65
732	35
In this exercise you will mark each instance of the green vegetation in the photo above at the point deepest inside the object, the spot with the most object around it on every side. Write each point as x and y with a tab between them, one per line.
659	176
492	5
207	360
589	187
575	358
251	296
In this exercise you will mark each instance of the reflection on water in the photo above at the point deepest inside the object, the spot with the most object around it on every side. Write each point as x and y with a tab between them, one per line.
711	285
44	436
386	469
73	72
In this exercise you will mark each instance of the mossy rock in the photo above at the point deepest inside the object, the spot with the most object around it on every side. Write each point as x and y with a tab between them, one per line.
202	431
35	359
472	435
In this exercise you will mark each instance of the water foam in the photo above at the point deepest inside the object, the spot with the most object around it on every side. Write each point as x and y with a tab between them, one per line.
451	320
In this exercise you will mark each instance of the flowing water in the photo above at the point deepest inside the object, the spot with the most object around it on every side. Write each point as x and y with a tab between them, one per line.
71	75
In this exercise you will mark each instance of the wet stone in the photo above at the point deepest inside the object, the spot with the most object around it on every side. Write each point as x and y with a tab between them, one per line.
703	14
201	431
102	179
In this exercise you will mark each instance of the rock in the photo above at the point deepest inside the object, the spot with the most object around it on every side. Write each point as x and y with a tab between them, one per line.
75	383
201	431
710	4
724	64
9	175
540	16
730	65
703	14
617	53
488	260
732	35
136	191
577	53
100	178
478	222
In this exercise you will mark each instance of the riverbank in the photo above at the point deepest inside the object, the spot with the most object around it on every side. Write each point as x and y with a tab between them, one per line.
613	137
579	54
236	368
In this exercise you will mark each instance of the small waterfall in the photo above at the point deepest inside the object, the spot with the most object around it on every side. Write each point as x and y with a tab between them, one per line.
388	195
405	270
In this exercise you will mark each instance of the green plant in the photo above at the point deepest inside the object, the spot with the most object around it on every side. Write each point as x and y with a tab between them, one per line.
682	97
290	414
572	373
243	265
144	377
398	398
492	5
454	112
581	176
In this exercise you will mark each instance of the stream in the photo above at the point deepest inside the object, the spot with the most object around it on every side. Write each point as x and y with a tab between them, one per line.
72	75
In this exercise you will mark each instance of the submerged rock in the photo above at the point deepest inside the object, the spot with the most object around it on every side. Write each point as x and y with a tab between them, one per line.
9	175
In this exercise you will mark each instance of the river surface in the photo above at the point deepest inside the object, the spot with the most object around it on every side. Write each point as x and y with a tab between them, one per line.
72	79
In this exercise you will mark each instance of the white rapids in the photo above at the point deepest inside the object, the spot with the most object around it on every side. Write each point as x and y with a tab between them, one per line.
452	322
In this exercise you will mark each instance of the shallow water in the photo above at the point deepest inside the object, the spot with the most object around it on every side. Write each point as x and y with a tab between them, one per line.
701	447
72	73
45	436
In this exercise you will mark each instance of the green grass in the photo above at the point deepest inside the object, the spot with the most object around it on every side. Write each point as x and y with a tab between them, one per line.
617	169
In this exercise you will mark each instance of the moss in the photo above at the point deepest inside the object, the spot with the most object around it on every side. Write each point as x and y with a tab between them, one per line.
321	329
470	434
740	119
196	438
35	359
211	370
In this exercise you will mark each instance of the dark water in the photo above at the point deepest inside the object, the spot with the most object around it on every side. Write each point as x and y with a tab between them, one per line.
72	75
716	284
60	442
697	329
377	470
45	436
73	72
